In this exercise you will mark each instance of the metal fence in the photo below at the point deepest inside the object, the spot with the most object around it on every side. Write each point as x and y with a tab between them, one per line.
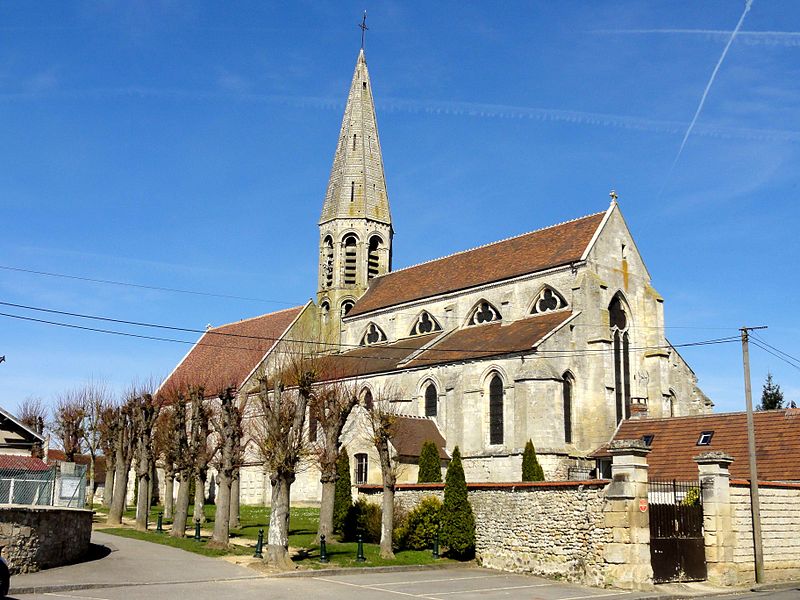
59	485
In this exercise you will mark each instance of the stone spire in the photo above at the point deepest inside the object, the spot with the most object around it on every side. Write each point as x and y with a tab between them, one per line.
357	186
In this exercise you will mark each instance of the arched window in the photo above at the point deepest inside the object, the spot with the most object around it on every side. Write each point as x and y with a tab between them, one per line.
350	259
672	404
618	321
374	257
366	399
496	410
327	261
431	400
373	335
567	392
347	306
324	311
484	313
547	300
425	323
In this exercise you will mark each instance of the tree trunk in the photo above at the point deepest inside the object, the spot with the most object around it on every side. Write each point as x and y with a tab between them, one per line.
200	497
108	492
169	494
234	522
387	522
278	535
120	491
326	506
222	519
143	502
91	481
181	508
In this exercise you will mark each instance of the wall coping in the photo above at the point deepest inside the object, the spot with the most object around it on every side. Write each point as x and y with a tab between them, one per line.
766	484
43	508
511	485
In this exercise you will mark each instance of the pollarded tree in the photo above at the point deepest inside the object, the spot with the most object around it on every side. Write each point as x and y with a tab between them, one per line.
95	396
146	407
124	443
107	427
191	430
771	395
430	465
166	447
344	494
33	414
457	519
68	423
531	469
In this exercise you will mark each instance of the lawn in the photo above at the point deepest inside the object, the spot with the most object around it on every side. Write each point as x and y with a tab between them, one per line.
303	524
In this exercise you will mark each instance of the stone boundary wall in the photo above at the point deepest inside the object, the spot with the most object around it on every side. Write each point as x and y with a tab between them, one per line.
556	529
39	537
780	529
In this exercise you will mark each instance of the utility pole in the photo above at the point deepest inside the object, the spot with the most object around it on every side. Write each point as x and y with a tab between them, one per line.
758	552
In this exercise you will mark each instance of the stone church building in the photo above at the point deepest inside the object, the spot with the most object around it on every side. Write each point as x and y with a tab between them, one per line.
555	335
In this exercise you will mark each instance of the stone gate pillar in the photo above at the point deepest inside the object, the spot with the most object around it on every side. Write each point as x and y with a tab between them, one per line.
717	525
626	514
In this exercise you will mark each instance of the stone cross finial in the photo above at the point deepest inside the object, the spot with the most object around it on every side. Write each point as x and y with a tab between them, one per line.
613	195
364	28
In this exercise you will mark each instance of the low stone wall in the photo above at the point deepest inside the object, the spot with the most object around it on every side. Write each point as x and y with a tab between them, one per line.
546	528
780	530
38	537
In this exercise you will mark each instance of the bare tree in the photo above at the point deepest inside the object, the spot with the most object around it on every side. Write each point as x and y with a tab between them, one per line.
33	414
192	443
95	396
108	425
381	419
166	445
68	425
202	453
124	442
145	411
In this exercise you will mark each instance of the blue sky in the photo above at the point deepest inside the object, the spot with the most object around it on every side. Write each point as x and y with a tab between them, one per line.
188	145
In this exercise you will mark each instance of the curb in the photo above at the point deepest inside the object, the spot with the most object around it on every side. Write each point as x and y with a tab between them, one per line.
71	587
364	570
722	592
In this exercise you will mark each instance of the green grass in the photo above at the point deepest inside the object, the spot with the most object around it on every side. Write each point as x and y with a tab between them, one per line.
183	543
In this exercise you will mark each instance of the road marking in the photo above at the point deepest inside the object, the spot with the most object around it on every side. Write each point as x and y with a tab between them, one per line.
72	596
373	588
443	579
498	589
596	596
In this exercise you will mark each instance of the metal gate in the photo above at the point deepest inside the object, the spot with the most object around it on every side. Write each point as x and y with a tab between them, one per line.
677	549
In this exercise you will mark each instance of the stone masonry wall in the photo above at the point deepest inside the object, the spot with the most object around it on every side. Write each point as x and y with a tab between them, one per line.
780	530
38	537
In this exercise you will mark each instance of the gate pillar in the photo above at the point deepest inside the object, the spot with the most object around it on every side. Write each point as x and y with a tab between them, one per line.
625	513
718	534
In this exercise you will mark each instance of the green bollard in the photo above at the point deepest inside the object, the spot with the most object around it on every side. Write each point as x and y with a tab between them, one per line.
323	550
259	545
197	529
436	544
160	523
360	554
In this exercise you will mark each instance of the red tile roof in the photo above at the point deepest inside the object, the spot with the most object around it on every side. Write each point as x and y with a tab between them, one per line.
13	462
409	433
226	355
675	443
543	249
375	359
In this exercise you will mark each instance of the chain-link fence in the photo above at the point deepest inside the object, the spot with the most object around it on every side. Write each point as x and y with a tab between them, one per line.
59	485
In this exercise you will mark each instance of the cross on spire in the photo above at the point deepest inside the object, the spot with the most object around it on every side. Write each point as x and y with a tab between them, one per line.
363	27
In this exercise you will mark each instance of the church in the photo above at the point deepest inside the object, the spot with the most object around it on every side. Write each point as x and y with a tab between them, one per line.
555	335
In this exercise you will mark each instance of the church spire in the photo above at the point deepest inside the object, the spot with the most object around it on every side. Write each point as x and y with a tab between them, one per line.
357	186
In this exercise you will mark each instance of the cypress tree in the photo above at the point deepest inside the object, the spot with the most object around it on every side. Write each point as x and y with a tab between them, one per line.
457	520
430	469
531	469
343	497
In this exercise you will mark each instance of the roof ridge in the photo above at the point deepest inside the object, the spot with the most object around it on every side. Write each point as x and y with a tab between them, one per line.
254	318
519	235
782	411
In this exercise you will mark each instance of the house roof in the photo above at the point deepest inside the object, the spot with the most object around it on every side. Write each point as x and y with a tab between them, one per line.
13	462
7	418
410	433
227	354
674	444
374	359
528	253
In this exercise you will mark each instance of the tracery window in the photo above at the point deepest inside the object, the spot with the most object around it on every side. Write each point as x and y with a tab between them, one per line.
373	335
431	400
618	322
374	257
484	313
425	323
496	410
327	258
567	391
547	300
350	263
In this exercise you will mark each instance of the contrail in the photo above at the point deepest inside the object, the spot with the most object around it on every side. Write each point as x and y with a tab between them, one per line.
747	5
765	38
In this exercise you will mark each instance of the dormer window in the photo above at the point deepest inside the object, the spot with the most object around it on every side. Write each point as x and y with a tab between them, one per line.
547	300
484	313
705	438
425	323
648	439
373	335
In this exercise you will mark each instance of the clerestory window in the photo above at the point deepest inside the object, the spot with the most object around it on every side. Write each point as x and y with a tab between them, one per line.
373	335
547	300
484	313
425	323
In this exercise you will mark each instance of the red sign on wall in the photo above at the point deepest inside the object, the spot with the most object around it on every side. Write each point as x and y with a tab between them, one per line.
643	505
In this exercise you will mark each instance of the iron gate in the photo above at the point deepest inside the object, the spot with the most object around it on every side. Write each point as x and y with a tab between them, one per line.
677	549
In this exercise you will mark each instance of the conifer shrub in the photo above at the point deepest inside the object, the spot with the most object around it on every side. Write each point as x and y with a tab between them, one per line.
343	496
363	518
430	467
531	469
419	528
457	520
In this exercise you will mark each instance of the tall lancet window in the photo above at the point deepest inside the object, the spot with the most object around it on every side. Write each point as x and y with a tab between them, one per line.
327	258
374	257
496	410
350	259
618	321
431	400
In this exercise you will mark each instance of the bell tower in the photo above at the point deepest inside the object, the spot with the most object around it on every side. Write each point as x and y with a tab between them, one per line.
355	229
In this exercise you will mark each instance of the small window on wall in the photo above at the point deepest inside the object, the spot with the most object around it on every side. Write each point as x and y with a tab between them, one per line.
361	469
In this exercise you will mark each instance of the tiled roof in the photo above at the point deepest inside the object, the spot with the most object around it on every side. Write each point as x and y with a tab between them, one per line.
543	249
409	433
675	443
13	462
220	360
375	359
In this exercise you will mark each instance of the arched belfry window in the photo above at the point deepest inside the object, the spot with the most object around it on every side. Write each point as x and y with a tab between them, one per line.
324	310
484	313
618	322
374	257
547	300
568	387
350	259
431	400
425	323
496	410
347	306
373	335
327	261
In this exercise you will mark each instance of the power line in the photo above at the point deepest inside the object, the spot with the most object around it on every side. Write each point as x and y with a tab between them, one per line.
778	350
776	355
